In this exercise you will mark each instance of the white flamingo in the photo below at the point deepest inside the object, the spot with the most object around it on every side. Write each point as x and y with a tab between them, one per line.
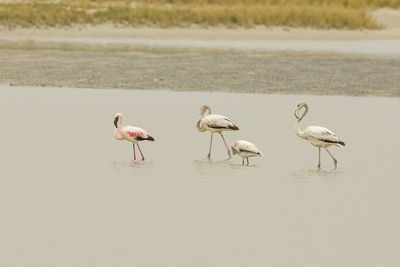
246	150
214	123
316	135
131	134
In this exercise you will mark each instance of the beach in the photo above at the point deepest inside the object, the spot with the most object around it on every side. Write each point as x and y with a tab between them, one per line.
262	60
226	72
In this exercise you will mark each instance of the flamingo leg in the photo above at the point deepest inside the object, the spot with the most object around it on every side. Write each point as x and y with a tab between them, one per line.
319	158
209	152
242	161
247	161
229	152
334	160
140	151
134	151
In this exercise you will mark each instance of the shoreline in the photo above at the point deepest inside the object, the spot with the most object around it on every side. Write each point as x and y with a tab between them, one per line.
110	31
258	60
219	72
158	90
112	38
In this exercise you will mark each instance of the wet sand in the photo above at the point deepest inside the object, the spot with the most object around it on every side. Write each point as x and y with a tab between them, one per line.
288	73
71	196
358	47
276	60
389	18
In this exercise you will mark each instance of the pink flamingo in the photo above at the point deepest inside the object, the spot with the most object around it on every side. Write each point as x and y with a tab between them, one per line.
131	134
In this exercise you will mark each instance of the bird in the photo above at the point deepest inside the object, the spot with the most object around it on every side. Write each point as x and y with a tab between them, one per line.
130	133
214	123
246	149
318	136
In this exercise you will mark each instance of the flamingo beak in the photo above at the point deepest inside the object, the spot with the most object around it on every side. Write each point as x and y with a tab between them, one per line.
115	122
295	113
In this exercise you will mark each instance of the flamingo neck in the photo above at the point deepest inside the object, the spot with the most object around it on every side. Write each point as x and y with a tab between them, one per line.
117	134
118	128
118	122
297	127
199	126
207	108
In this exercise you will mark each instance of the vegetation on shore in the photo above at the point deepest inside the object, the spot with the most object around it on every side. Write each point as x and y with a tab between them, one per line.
320	14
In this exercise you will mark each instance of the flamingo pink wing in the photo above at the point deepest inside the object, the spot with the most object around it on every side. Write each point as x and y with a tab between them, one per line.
137	134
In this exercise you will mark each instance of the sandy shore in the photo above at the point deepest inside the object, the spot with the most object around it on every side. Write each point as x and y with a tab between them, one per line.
257	33
109	37
261	73
259	39
277	60
390	18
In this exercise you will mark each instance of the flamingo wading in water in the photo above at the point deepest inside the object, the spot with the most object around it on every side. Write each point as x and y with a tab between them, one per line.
214	123
131	134
318	136
245	149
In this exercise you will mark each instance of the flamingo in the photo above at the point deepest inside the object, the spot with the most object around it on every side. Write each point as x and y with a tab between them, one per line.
130	133
214	123
318	136
246	150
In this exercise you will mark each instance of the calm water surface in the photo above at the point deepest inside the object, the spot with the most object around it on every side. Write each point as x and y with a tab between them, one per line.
71	196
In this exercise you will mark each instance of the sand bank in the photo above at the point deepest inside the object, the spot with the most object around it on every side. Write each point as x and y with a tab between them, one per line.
260	39
197	33
276	60
226	72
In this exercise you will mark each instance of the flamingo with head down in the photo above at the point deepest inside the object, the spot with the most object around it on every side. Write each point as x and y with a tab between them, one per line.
246	149
131	134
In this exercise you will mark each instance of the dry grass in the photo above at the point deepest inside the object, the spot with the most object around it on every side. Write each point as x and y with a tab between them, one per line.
343	3
322	14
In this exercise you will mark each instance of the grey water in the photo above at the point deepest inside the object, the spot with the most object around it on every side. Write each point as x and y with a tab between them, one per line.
71	194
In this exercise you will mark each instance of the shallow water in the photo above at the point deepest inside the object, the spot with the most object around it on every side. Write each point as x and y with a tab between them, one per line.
71	195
